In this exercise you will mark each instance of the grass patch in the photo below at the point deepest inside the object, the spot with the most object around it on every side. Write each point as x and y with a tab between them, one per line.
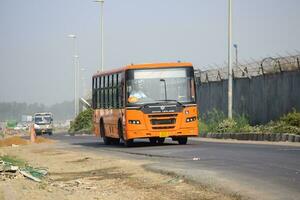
12	160
216	122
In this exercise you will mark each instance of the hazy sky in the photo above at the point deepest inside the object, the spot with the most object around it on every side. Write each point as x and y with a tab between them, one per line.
36	55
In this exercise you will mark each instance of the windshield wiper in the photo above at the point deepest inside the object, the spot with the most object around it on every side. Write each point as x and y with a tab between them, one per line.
168	100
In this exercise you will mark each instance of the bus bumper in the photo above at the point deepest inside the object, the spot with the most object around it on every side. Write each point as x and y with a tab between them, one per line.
163	133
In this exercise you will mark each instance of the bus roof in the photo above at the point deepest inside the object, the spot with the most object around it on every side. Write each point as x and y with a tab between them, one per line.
146	66
42	113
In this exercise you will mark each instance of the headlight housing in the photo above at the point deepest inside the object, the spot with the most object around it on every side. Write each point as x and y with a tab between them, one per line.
134	122
191	119
36	126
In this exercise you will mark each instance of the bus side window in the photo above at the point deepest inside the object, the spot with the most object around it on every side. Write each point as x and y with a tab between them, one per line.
114	90
106	92
98	92
117	91
109	91
101	92
120	95
93	93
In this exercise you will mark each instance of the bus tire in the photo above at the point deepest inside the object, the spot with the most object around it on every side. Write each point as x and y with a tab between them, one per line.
50	133
153	140
106	140
115	141
160	140
128	143
182	140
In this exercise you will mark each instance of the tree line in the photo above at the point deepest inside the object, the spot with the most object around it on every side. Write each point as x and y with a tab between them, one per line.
15	110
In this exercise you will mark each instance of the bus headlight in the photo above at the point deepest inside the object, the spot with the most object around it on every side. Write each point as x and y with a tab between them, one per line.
191	119
36	126
134	122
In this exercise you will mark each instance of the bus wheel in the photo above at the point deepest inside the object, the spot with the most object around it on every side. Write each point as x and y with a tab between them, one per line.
160	140
50	133
153	140
115	141
106	140
182	140
128	143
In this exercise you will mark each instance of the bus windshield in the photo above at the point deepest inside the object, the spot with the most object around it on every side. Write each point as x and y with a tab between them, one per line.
43	119
153	85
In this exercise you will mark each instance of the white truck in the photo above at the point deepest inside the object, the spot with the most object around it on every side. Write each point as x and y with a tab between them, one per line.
43	123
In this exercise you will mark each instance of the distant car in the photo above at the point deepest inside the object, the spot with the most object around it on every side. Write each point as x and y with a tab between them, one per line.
20	126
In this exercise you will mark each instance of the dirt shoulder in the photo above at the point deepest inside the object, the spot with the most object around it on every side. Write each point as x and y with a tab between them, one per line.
85	175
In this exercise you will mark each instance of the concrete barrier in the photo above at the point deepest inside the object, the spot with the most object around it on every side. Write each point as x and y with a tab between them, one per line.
291	138
255	136
233	135
278	137
260	137
297	138
226	135
273	137
203	135
267	136
285	137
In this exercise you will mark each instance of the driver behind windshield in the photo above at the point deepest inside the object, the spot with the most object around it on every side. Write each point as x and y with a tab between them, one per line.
136	93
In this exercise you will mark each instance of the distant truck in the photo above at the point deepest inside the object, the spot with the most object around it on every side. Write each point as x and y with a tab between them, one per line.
43	123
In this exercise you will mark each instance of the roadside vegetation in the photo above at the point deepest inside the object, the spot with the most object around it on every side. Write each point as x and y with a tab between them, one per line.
216	122
82	123
12	160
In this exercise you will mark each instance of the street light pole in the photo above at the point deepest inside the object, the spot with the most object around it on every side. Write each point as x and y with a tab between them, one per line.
229	61
75	61
82	78
236	55
101	30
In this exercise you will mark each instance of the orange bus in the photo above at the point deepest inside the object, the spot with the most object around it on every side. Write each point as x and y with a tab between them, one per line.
152	101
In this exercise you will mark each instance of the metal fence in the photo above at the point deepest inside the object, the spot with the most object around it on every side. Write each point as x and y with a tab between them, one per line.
263	90
269	65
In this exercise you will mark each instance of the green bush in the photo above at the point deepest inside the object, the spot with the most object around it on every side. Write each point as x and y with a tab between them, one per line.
216	121
289	123
83	121
211	120
291	119
226	126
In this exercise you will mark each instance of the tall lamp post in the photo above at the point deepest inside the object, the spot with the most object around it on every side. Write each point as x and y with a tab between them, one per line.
102	36
82	78
75	61
229	61
236	55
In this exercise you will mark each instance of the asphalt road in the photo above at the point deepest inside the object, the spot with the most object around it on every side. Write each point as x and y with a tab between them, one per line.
252	170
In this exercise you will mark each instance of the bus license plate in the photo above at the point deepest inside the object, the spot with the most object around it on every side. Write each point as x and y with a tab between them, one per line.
163	134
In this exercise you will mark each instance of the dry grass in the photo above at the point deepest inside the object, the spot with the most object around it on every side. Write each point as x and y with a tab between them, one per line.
13	140
16	140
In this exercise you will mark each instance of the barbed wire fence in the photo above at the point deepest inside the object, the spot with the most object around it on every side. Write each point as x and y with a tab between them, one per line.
268	65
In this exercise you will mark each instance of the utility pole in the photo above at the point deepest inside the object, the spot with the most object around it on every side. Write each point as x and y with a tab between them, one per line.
101	30
236	55
229	60
76	63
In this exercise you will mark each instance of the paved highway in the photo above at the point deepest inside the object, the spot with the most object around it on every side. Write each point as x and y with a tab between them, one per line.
253	170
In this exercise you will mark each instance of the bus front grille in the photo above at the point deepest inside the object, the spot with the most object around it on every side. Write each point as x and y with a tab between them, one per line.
163	127
163	121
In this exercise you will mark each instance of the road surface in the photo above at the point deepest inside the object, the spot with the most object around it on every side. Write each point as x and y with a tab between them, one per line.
252	170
